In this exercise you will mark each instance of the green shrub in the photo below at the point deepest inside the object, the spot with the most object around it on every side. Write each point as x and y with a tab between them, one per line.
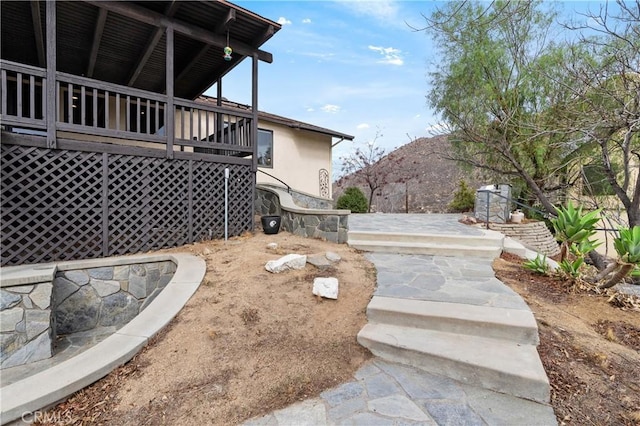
463	199
353	199
538	265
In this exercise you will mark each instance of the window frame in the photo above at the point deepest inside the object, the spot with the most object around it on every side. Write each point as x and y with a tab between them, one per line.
270	132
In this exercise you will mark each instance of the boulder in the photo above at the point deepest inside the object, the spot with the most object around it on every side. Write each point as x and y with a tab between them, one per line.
320	261
290	261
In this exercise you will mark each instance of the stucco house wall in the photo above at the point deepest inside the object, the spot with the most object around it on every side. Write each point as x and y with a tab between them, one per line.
298	158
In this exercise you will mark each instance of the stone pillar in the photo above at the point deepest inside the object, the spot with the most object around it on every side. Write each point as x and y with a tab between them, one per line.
494	199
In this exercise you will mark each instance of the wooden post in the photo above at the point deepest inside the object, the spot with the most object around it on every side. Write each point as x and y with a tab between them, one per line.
51	74
170	119
105	204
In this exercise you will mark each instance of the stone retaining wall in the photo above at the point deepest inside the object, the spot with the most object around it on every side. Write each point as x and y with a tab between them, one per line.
533	235
70	301
304	200
108	296
330	225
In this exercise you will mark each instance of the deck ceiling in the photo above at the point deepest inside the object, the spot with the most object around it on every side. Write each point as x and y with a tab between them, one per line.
125	42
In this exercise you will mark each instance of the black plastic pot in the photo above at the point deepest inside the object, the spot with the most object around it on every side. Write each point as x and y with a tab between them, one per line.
270	224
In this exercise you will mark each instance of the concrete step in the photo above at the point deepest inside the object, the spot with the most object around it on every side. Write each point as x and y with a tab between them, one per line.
489	239
515	325
506	367
426	248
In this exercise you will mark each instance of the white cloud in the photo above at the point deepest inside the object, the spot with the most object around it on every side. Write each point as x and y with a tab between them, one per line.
331	108
383	10
362	126
310	109
391	55
306	21
283	21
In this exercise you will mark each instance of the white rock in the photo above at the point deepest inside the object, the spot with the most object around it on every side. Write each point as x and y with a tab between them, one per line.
326	287
272	246
290	261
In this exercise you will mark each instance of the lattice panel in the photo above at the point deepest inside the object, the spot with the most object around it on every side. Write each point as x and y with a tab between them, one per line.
208	200
241	202
148	203
51	205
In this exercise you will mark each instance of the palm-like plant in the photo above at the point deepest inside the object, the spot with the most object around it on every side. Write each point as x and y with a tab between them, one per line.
574	228
627	246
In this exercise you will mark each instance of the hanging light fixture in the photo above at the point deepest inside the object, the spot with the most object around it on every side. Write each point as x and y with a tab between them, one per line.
227	50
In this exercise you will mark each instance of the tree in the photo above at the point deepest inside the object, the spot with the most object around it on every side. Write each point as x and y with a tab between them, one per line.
363	161
521	106
604	85
490	91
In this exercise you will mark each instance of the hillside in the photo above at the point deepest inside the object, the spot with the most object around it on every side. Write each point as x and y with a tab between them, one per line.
418	170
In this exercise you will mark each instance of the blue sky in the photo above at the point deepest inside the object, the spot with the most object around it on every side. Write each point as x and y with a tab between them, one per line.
356	67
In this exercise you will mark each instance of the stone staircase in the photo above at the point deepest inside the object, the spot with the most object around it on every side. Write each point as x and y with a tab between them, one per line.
481	345
487	246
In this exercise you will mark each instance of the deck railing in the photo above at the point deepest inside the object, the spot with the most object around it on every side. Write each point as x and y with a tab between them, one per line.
91	107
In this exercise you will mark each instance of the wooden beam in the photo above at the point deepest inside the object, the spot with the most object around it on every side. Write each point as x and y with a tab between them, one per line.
97	37
150	17
221	71
197	58
153	41
266	35
37	31
223	26
51	112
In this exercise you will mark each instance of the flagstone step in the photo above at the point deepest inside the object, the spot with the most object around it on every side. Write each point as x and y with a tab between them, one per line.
496	364
515	325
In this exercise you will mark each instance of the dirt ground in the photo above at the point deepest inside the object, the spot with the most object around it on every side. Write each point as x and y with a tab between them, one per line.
590	348
249	342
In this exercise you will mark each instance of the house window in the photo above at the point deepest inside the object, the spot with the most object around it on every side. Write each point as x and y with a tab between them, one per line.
595	181
265	148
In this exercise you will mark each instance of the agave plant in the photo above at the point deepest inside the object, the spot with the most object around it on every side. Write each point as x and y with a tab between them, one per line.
571	269
574	229
627	246
538	265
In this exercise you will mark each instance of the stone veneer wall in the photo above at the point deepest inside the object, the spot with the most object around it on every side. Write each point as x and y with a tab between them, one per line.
498	199
26	334
77	300
332	225
533	235
108	296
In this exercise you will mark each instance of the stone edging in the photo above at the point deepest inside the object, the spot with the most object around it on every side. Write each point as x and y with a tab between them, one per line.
534	235
58	382
331	225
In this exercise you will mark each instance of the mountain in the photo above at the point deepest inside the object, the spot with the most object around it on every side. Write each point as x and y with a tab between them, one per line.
421	178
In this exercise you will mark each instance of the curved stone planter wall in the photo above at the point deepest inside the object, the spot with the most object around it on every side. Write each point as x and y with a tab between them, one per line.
533	235
56	302
319	221
68	376
110	296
